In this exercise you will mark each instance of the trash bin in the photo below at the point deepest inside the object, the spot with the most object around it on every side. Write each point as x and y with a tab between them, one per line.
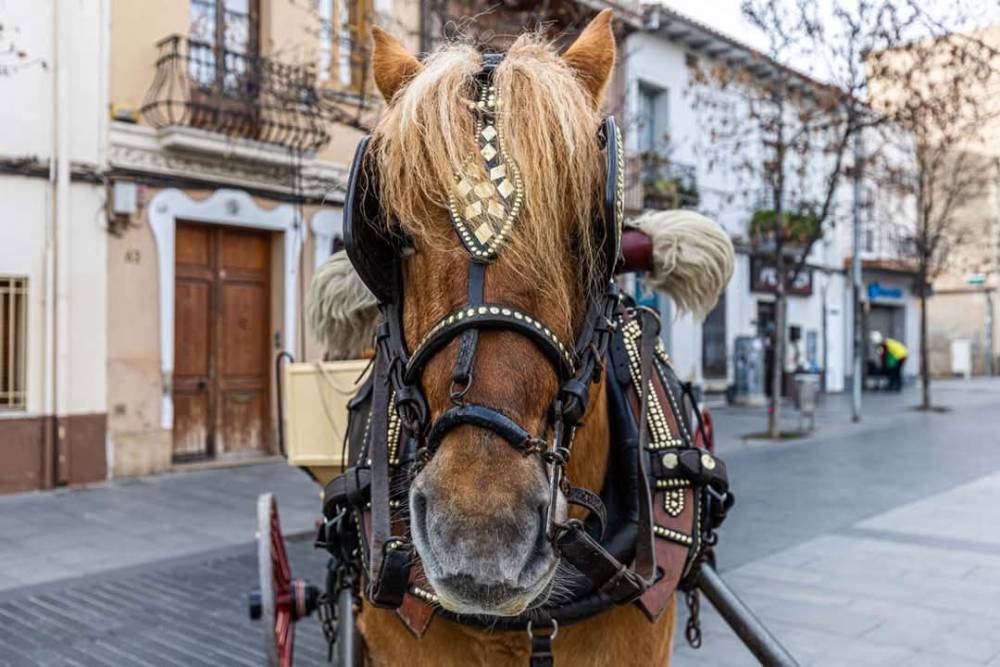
806	392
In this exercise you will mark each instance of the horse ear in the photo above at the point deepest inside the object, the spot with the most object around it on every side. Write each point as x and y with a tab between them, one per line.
592	55
392	64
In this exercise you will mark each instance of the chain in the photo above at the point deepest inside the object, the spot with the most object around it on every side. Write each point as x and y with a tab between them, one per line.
692	631
328	621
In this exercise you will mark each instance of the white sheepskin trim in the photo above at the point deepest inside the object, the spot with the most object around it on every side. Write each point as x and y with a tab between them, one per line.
692	257
342	312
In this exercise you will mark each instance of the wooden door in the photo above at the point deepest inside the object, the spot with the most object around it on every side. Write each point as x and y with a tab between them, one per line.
221	342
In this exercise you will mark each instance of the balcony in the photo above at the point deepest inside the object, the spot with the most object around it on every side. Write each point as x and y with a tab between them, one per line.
219	92
667	184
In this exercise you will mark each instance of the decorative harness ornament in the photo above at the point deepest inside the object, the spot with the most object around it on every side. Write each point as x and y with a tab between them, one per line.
488	193
662	497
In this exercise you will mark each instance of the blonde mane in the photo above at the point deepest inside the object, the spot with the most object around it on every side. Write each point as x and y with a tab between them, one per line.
548	123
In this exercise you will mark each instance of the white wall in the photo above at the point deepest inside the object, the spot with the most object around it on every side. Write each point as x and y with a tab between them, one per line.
28	94
28	118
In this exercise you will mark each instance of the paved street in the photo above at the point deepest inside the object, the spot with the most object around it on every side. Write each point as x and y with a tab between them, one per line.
876	543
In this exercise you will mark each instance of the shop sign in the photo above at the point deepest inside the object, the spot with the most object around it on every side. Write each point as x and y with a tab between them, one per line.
645	295
878	291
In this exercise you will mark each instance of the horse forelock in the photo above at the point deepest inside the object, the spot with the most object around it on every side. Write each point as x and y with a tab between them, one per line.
548	124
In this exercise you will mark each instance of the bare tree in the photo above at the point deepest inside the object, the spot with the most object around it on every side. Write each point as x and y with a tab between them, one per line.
937	89
799	133
785	137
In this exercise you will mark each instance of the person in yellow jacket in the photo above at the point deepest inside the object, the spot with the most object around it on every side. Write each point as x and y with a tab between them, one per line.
893	355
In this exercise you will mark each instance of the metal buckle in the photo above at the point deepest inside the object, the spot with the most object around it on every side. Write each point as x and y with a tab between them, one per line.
554	627
457	396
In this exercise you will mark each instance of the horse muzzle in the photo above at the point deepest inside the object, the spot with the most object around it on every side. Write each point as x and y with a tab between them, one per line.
482	558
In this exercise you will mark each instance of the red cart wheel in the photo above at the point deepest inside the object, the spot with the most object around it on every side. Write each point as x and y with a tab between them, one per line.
280	600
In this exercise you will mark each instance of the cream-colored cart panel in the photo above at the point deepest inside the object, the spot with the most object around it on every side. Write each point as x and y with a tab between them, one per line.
316	398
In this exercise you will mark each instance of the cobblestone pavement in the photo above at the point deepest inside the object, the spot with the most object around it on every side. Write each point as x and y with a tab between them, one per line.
870	544
66	533
188	612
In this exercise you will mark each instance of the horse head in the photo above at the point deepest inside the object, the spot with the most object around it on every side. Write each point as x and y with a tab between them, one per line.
478	507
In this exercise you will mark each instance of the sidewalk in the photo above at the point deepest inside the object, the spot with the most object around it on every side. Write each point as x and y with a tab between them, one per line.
47	536
917	585
833	414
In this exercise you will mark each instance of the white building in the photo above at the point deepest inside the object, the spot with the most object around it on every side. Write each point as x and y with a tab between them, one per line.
53	244
661	101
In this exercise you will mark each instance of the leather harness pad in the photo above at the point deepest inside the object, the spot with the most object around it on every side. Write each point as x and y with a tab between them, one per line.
671	556
373	249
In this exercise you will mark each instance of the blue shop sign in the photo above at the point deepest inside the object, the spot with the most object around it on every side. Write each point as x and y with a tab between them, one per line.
877	291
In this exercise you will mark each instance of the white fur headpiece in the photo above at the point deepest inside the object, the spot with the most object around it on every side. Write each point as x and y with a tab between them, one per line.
692	257
342	311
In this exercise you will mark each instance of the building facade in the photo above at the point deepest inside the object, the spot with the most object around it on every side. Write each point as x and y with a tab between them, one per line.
172	208
666	119
964	198
53	244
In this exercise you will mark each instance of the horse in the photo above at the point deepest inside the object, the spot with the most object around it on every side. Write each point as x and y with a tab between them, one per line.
478	507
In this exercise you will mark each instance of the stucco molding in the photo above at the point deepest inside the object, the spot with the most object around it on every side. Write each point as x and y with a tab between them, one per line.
325	225
136	148
224	207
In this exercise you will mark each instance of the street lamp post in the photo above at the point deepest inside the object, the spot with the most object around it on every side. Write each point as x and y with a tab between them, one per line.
856	283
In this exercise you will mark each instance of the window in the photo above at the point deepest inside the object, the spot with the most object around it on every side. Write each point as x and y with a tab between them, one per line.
713	341
342	29
346	44
223	42
13	336
653	118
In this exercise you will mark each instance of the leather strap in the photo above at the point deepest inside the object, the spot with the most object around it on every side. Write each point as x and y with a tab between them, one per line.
461	375
350	489
490	316
614	578
390	556
591	501
541	651
645	553
473	414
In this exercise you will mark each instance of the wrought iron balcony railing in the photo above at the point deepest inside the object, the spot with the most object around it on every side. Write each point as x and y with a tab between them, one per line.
245	96
667	184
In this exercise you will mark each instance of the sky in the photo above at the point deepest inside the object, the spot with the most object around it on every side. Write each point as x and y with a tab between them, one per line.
725	15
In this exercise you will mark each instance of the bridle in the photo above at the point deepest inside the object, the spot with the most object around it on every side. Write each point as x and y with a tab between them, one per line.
653	522
484	213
